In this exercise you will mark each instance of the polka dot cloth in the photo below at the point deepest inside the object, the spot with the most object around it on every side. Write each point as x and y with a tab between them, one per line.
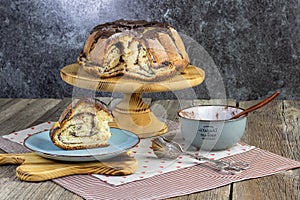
19	136
149	164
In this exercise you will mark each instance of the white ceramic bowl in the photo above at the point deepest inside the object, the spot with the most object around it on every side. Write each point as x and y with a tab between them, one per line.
210	127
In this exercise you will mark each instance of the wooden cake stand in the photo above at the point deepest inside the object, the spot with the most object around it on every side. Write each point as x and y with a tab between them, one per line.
132	113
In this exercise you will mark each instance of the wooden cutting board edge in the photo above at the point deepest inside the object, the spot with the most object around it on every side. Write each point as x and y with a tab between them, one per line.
34	168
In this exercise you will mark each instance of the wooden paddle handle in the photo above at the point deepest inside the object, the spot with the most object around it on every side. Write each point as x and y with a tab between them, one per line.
11	159
256	106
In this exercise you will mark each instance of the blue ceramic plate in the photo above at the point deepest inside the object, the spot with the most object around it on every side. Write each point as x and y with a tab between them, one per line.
119	142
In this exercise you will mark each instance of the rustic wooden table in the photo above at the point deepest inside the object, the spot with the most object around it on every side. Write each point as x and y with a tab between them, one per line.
274	128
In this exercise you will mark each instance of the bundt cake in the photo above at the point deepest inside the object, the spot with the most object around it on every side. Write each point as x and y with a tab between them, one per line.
83	124
136	49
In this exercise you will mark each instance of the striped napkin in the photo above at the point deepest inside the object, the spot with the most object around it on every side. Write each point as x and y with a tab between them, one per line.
182	181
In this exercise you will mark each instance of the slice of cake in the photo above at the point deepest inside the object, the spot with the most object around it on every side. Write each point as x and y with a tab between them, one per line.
83	124
135	49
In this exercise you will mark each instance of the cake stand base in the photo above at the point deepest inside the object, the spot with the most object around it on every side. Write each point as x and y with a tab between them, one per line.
134	115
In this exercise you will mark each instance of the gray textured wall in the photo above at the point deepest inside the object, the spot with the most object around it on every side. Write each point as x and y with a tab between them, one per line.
253	45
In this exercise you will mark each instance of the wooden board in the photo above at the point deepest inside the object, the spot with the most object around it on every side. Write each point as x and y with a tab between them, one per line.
74	75
35	168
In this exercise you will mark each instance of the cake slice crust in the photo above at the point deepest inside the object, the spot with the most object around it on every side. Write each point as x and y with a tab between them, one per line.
83	124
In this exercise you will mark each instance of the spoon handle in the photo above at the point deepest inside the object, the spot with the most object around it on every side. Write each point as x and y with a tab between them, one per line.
232	167
256	106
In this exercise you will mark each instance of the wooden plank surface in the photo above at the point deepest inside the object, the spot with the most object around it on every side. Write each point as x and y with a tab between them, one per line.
274	128
21	114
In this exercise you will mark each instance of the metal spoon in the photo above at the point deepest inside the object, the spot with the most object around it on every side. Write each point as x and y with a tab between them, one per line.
258	105
167	149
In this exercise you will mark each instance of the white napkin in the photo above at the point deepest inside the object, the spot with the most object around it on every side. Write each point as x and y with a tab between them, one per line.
149	164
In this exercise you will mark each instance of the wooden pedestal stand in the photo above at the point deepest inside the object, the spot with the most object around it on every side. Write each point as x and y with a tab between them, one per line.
132	113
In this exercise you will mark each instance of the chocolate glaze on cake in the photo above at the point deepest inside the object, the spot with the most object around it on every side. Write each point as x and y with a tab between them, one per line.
136	49
108	29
